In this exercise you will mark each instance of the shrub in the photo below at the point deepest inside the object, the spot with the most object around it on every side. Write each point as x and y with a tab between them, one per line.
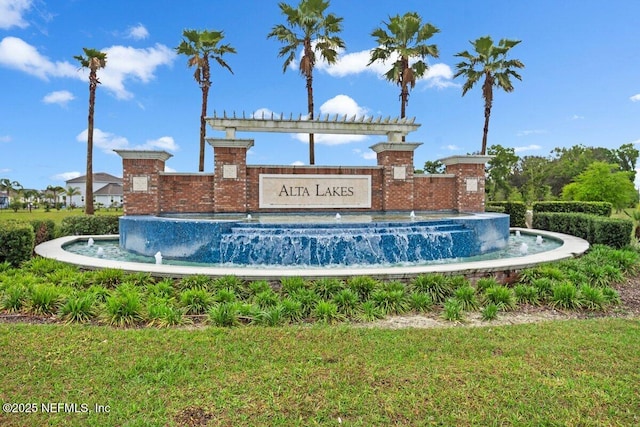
44	299
224	315
527	294
613	232
420	302
16	242
327	287
591	297
195	301
436	285
273	316
502	297
124	307
452	310
363	286
466	296
44	230
565	296
592	208
489	312
80	307
515	210
89	225
347	302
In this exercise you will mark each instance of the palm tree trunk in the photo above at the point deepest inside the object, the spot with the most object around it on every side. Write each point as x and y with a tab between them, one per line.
312	156
487	114
88	198
487	93
203	114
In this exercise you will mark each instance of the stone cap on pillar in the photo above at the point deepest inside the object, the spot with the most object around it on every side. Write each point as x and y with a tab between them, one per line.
395	146
230	143
144	154
466	160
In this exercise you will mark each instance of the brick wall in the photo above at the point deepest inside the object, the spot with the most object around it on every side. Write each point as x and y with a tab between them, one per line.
434	192
141	202
186	193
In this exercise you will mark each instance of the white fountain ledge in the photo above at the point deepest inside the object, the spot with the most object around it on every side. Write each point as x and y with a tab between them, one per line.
572	246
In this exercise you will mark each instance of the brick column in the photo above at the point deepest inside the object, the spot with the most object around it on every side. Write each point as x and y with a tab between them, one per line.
470	180
140	180
230	174
396	158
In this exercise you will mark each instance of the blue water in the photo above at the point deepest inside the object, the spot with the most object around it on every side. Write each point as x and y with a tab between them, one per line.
112	250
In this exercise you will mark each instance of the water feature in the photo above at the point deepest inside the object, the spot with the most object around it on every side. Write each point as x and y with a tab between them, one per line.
315	240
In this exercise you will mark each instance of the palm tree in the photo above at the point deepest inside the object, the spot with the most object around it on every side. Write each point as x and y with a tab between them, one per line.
404	41
307	26
492	63
199	46
72	191
93	60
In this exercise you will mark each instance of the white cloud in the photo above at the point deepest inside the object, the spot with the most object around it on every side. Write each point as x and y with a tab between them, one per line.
438	75
108	142
20	55
451	147
5	138
11	13
139	32
265	113
65	176
128	63
123	64
340	105
531	132
168	169
577	117
635	98
297	163
532	147
637	141
60	97
367	155
5	170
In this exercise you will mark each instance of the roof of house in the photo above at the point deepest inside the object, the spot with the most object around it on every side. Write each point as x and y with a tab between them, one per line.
109	190
97	177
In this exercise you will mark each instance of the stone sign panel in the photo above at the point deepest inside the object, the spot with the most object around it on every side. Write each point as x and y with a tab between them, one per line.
315	191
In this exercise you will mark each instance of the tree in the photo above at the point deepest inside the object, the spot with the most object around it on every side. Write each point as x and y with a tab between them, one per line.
500	169
11	187
199	46
492	63
93	60
309	27
434	167
602	182
71	191
531	178
54	191
403	42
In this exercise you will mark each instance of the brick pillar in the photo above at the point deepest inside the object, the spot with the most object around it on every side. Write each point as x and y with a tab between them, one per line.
230	174
140	180
396	158
470	180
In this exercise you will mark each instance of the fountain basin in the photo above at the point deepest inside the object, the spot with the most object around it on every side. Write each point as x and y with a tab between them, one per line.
344	241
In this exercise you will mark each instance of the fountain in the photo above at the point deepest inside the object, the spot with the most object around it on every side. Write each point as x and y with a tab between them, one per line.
90	242
538	240
158	257
524	249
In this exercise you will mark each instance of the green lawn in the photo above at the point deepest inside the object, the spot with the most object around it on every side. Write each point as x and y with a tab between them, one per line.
53	214
578	372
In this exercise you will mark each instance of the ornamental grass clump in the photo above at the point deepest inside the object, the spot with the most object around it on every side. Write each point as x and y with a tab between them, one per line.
420	302
307	298
196	281
162	289
485	283
527	294
501	296
611	296
272	316
224	315
225	295
292	310
390	302
466	296
565	296
326	312
489	312
452	310
258	286
347	302
196	300
44	299
327	287
369	312
266	299
591	298
435	285
110	278
124	307
363	286
140	279
291	284
14	298
80	307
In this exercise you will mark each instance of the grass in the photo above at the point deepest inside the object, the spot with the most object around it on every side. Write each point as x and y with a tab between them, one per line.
577	372
56	216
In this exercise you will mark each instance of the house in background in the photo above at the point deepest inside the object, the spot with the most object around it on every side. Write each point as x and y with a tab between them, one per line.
107	189
4	200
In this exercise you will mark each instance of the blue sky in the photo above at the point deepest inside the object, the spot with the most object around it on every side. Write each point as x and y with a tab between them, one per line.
581	84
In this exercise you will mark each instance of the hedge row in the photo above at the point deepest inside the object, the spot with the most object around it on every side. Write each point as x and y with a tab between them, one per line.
516	210
16	242
594	229
593	208
84	225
